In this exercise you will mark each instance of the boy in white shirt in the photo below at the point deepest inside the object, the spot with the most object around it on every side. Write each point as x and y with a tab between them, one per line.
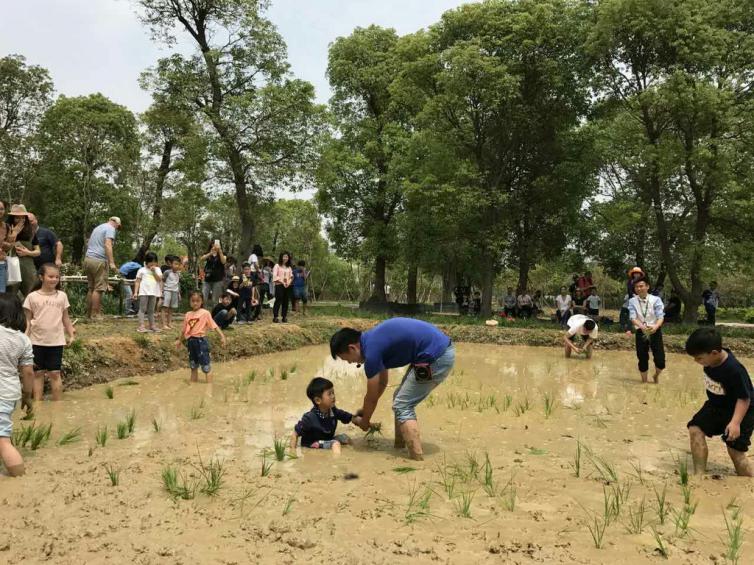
647	315
563	306
593	303
578	324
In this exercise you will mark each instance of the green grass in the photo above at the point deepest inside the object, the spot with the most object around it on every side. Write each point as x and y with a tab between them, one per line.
447	478
682	466
156	425
109	392
212	474
681	519
101	437
735	536
39	436
21	436
463	504
70	437
604	468
142	341
660	546
663	507
280	445
522	406
113	474
404	470
549	402
131	421
266	465
176	484
597	527
121	431
488	479
284	375
576	465
636	517
249	378
418	504
288	505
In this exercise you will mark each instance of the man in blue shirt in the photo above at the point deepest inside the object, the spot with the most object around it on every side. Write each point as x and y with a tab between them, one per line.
394	343
99	257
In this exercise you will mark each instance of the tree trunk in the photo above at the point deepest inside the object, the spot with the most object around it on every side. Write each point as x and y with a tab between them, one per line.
159	189
488	278
413	275
378	292
448	282
524	264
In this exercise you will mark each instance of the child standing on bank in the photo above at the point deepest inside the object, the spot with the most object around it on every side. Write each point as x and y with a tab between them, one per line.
728	410
194	333
47	324
148	291
647	315
16	357
300	290
316	428
171	292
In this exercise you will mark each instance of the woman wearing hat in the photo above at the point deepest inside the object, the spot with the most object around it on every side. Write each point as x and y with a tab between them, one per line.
7	239
25	246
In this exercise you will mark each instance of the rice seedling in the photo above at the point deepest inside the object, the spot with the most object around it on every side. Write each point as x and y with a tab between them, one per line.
270	374
129	382
418	504
733	504
109	392
266	466
404	470
177	485
660	546
597	529
507	401
249	378
681	519
283	375
508	495
121	431
196	412
156	425
39	436
113	474
635	523
600	423
576	465
638	471
463	504
537	451
21	436
686	492
212	474
293	368
288	505
682	466
488	481
611	505
131	421
549	403
447	479
101	437
735	536
473	465
280	445
374	430
663	507
605	469
70	437
522	406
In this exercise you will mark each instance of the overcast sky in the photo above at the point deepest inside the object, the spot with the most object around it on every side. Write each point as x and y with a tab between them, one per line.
100	46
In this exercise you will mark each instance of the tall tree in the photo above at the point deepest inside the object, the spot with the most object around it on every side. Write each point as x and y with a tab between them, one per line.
89	150
25	94
357	188
264	123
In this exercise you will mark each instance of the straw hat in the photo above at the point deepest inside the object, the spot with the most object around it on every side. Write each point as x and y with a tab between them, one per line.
18	210
635	270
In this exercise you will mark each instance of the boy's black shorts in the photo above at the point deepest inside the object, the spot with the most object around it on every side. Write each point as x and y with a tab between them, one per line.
712	420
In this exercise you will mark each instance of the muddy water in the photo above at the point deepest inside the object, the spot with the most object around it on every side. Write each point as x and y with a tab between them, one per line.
66	511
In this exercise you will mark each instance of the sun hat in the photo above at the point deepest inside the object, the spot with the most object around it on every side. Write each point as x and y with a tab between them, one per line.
635	270
18	210
235	278
115	219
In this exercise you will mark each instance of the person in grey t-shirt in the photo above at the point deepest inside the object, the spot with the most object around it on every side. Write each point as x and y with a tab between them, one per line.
99	256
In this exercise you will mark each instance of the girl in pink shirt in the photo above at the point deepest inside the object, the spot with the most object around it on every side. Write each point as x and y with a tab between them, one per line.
282	276
47	324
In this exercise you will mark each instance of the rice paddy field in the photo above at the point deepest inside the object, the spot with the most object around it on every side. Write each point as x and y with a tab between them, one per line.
528	458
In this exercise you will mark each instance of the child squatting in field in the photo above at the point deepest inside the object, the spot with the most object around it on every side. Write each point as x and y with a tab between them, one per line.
316	428
582	325
728	410
194	333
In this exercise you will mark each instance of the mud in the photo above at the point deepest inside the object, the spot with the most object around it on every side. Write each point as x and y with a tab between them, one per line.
305	511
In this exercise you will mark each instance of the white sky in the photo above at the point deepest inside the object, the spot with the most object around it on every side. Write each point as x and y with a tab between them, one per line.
100	46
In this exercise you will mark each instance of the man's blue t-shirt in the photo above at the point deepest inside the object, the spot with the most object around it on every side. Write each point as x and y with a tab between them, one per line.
96	247
399	342
299	277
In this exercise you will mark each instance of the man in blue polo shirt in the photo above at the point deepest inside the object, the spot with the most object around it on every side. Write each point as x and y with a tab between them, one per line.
395	343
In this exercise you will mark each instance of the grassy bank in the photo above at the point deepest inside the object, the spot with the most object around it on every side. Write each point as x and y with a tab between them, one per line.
112	349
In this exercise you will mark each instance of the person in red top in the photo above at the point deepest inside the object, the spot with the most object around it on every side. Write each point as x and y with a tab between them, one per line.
194	333
586	284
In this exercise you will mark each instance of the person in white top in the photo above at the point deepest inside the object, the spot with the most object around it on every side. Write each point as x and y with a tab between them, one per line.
149	289
563	303
647	315
578	324
593	303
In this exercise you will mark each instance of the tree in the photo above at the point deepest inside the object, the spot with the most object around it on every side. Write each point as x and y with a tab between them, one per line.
357	189
675	78
89	150
25	94
264	123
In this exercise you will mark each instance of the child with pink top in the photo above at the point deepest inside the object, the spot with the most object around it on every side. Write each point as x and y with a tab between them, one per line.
47	323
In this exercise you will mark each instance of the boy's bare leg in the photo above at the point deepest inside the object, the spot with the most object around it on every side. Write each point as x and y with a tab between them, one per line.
410	431
656	376
568	351
39	385
194	375
741	463
56	385
12	459
699	451
588	351
169	316
335	447
644	377
400	443
209	377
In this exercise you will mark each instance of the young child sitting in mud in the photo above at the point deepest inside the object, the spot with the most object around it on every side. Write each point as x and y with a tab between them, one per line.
728	410
316	428
194	333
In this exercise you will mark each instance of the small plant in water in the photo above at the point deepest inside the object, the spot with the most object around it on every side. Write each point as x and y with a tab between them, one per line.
109	392
288	505
283	375
488	482
39	436
177	485
212	474
121	431
683	470
70	437
113	474
735	535
101	437
549	403
374	430
196	412
682	518
266	466
418	503
635	524
404	470
508	495
447	478
280	445
577	460
663	507
660	546
463	504
131	421
156	425
597	529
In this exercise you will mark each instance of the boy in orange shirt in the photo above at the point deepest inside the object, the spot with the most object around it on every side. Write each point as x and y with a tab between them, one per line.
195	325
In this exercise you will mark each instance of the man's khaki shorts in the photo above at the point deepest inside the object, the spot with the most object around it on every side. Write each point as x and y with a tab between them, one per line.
96	274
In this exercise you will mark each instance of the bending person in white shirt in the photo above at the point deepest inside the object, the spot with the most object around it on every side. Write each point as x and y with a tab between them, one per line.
584	326
647	315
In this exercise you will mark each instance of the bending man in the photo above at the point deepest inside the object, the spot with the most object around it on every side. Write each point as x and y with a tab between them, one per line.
395	343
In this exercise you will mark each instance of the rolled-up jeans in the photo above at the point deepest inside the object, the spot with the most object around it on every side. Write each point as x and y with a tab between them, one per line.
3	276
411	392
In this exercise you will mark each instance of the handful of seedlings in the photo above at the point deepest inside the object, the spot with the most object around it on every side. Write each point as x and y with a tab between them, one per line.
373	430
